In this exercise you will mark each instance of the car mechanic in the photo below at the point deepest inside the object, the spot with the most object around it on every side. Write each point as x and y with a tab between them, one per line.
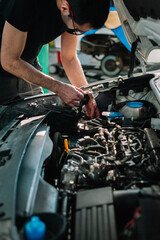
26	28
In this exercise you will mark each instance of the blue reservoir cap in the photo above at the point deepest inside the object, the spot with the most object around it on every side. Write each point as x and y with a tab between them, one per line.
112	114
35	229
134	104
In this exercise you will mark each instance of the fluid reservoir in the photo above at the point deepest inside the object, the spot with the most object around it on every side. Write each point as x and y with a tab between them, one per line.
35	229
133	109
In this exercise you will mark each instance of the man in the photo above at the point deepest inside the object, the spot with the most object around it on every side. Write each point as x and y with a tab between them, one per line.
33	23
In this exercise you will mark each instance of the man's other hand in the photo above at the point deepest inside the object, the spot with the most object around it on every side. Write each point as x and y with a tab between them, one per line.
92	110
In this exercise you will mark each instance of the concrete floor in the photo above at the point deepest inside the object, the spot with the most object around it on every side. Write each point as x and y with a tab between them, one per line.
92	69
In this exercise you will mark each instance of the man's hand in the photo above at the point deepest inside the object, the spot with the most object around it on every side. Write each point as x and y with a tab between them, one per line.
91	107
69	94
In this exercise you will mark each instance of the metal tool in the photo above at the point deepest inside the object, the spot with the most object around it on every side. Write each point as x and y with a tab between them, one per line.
84	101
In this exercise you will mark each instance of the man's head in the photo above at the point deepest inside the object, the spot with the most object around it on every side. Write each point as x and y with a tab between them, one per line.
90	14
94	12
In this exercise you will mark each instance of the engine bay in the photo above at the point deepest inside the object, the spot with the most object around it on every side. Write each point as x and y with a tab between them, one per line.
84	178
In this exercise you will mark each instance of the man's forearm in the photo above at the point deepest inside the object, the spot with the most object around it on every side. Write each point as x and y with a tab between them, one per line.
27	72
75	72
69	94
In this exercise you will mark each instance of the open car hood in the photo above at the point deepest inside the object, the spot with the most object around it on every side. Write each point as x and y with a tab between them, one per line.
141	23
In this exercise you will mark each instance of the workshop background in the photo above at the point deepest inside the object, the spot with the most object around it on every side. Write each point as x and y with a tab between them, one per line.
103	53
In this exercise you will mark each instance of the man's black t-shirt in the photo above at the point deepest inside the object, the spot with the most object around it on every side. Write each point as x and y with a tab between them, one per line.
41	19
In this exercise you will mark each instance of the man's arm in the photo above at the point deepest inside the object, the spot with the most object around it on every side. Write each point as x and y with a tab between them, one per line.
13	43
73	69
70	60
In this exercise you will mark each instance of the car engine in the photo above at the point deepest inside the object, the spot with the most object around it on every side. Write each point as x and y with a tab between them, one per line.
84	178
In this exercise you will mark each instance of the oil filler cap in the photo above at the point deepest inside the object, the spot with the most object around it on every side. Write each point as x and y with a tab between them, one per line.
35	229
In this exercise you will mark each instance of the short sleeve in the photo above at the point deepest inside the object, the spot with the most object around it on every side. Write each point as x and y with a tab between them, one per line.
22	14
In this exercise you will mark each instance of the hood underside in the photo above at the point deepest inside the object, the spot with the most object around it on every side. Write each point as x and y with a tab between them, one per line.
141	23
